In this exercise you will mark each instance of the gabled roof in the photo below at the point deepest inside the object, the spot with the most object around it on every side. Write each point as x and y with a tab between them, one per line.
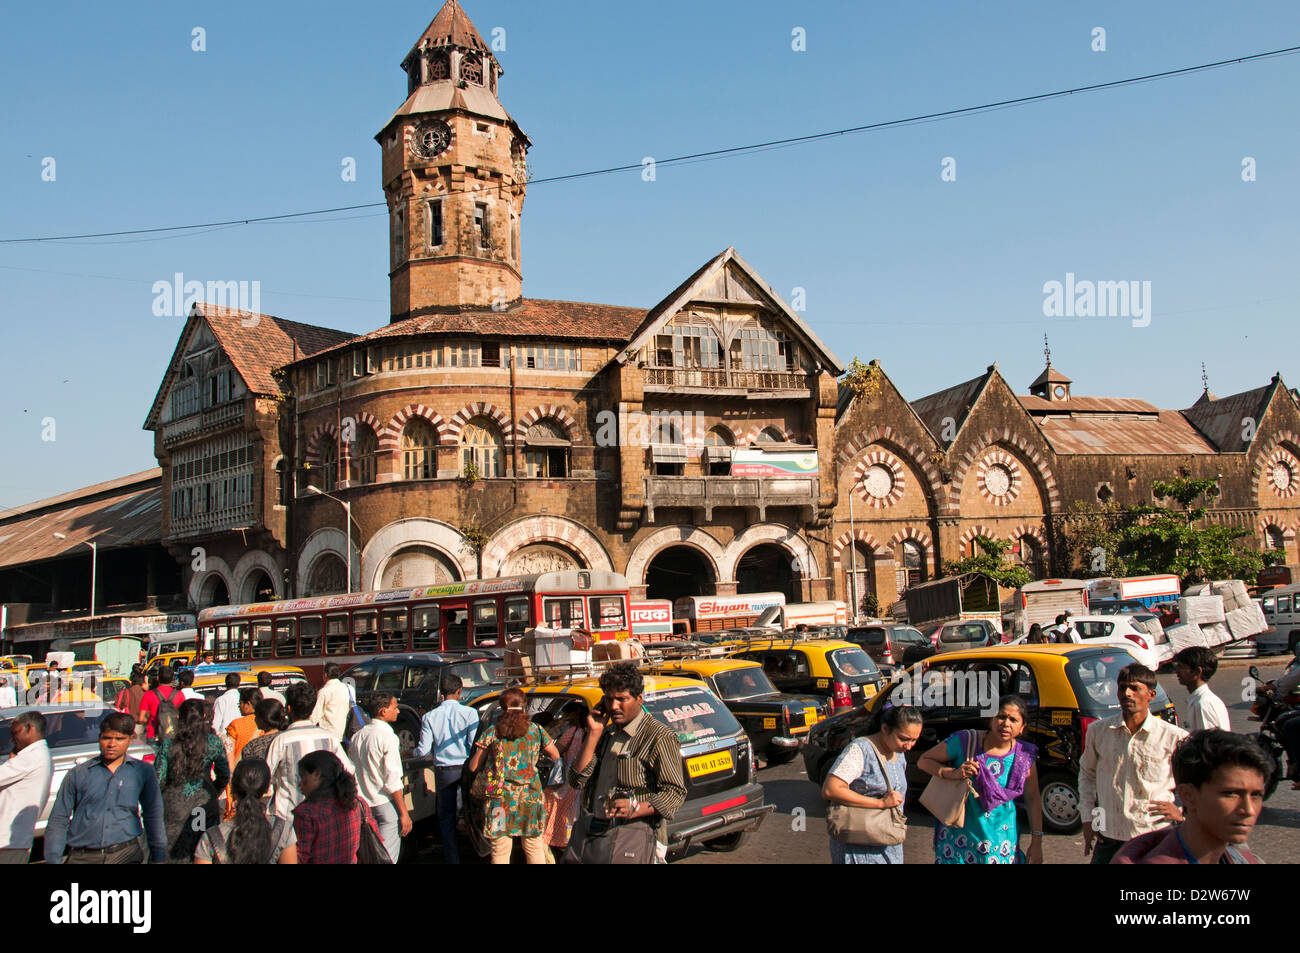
720	266
1050	375
531	318
1223	420
953	402
255	343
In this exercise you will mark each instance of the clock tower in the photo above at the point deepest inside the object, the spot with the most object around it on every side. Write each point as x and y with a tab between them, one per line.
455	173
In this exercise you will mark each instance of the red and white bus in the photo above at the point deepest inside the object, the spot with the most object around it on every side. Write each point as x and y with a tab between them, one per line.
652	620
480	614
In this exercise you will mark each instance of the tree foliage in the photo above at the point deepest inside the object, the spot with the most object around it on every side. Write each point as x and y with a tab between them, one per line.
991	562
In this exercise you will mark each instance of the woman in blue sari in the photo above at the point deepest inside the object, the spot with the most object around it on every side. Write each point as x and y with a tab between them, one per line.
1000	768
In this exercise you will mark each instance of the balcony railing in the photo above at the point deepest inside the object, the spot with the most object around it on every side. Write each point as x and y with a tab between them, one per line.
719	378
199	524
176	430
707	492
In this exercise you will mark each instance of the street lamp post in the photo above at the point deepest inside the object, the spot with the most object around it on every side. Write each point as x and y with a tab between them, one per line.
94	566
347	509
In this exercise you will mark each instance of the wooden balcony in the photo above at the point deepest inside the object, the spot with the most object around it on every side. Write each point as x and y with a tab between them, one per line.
704	493
178	431
690	380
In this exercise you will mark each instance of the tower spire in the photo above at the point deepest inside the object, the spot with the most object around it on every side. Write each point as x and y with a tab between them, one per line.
1047	351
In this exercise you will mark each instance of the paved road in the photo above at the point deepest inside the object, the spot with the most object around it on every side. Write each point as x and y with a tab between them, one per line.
796	833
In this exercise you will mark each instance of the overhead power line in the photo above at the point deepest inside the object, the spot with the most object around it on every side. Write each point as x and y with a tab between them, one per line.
712	154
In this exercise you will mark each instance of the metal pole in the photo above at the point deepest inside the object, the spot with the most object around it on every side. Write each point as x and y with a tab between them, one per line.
347	507
853	559
94	566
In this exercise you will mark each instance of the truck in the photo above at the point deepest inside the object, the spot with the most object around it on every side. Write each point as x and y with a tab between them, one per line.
970	595
711	613
652	620
1147	590
1044	600
826	613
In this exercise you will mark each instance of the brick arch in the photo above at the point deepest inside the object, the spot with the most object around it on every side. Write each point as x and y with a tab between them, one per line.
890	438
757	429
968	537
893	465
558	530
390	438
480	408
1005	437
860	536
554	412
1267	522
736	439
1025	529
366	419
313	442
1283	442
918	535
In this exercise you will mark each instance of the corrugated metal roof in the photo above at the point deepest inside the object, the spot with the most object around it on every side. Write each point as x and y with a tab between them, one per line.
115	514
1223	420
1165	431
1088	405
953	402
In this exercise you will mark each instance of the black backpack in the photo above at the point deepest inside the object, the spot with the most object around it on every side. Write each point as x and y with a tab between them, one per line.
167	715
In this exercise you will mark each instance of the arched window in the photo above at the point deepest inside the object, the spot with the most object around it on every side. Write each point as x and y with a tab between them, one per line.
439	67
1028	552
419	456
329	465
1273	536
717	450
859	577
771	435
546	453
911	564
482	445
363	455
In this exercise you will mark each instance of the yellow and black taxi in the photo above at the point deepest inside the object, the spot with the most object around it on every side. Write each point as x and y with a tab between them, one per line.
171	659
830	668
210	680
775	722
1066	688
723	801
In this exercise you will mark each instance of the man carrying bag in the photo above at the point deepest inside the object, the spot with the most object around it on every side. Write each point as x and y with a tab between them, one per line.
630	773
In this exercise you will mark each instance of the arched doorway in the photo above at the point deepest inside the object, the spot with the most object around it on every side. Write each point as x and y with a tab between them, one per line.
258	587
328	575
214	592
769	568
679	571
418	566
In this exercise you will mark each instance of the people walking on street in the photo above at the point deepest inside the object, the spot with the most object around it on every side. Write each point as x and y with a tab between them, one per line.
130	698
185	679
1195	666
630	767
1000	768
1125	772
226	708
248	837
1064	632
294	743
561	800
447	732
163	700
332	704
97	813
1220	779
192	769
871	772
270	717
377	755
1036	636
264	687
328	822
240	732
509	752
24	786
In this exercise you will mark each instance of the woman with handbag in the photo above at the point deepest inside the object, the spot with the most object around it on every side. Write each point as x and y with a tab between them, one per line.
560	799
866	789
997	768
329	819
514	808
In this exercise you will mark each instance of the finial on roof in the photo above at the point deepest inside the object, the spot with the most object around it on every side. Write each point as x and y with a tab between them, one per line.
1205	379
1047	351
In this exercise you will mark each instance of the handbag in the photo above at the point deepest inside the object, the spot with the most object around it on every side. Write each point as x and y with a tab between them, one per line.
868	826
945	798
599	841
370	849
487	785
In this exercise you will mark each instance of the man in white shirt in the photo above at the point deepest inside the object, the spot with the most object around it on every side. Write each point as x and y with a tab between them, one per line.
24	787
292	745
8	694
226	708
185	678
1195	666
332	704
264	687
1134	753
377	754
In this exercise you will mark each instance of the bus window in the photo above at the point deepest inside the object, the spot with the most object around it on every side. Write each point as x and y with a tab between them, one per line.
457	621
336	634
239	641
564	613
365	632
486	630
607	612
309	635
286	646
424	629
516	616
220	633
261	639
392	631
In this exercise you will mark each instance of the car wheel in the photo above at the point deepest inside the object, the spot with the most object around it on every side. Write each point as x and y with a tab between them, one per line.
726	843
408	736
1060	794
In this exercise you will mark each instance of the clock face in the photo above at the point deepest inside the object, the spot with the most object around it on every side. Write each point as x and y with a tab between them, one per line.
430	139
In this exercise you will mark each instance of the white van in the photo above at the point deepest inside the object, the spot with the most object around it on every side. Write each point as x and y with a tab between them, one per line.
1282	612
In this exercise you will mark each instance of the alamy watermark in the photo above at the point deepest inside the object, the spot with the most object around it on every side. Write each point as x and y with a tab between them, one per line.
636	428
1098	299
173	299
948	689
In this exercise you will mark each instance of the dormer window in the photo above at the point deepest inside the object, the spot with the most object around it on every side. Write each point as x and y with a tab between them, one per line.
471	70
439	65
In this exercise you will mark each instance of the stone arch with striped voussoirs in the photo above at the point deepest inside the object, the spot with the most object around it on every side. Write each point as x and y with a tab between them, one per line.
967	538
898	475
213	566
917	535
315	441
754	431
1284	447
890	439
784	536
857	536
390	438
1032	459
327	539
251	562
552	412
360	419
479	408
661	539
559	531
412	532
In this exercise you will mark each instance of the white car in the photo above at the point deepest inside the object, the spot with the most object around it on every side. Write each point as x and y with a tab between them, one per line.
1122	631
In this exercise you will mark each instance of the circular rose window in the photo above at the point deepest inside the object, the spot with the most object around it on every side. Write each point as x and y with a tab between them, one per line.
1282	475
878	481
997	480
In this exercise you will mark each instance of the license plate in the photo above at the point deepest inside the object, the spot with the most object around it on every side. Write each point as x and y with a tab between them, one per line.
811	716
868	691
769	723
711	763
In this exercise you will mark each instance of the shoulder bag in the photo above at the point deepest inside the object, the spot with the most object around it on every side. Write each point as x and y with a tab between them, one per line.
370	849
868	826
945	798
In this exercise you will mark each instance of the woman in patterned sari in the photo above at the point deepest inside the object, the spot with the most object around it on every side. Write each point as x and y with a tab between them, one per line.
1000	768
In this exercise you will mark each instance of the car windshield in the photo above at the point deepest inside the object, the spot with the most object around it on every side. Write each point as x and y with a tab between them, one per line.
854	664
63	729
478	674
743	683
873	636
1093	678
971	632
695	714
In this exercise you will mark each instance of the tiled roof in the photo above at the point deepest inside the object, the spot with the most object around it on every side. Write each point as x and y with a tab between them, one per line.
1163	431
952	402
450	27
1087	405
530	318
1050	375
258	343
115	514
1223	420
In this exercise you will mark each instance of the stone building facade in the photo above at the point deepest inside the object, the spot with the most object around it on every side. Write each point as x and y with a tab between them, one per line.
700	446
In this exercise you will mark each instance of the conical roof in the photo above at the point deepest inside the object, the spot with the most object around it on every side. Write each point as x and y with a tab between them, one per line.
450	27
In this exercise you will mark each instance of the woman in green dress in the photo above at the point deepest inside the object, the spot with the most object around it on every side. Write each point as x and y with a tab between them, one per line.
515	806
1000	769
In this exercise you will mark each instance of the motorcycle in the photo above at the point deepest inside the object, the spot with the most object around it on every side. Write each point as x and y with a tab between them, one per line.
1272	711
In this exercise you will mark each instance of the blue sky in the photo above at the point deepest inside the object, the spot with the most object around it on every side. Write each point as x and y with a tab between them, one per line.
936	279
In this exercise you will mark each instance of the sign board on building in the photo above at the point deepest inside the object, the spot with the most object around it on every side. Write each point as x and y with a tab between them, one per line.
752	462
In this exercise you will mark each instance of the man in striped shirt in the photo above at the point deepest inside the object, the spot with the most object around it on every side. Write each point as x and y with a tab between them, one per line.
292	745
633	769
